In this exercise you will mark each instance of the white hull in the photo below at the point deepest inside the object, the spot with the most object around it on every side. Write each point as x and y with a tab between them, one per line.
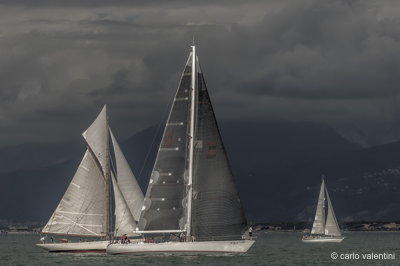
323	239
236	246
76	247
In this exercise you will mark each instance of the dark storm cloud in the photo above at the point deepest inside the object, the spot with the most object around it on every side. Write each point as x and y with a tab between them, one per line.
335	62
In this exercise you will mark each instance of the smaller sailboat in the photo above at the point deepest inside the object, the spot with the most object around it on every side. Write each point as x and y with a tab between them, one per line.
85	211
325	228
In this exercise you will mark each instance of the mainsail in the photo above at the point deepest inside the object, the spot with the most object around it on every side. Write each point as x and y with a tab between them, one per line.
217	211
81	211
214	211
319	221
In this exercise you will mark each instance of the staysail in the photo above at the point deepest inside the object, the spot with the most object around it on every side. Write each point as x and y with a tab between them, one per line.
319	221
124	221
164	204
81	211
126	181
217	213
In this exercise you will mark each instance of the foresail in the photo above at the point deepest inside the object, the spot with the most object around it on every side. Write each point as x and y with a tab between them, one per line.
217	212
319	221
81	211
331	226
127	183
164	203
124	221
96	137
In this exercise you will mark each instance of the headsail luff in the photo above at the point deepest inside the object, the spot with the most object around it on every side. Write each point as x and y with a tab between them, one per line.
124	220
126	181
217	211
319	221
81	211
165	203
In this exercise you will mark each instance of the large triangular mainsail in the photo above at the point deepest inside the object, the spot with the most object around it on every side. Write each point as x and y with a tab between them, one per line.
165	203
217	213
126	181
319	220
81	211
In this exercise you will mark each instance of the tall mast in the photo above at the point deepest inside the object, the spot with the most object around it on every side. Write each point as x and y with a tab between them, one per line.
191	145
324	209
107	176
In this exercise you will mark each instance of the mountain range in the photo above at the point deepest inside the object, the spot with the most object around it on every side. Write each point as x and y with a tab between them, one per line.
277	167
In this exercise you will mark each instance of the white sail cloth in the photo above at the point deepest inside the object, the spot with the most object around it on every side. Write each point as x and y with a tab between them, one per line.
97	137
126	181
331	225
124	221
319	220
81	211
325	222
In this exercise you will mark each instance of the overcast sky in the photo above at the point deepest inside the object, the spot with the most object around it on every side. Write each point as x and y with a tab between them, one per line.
334	62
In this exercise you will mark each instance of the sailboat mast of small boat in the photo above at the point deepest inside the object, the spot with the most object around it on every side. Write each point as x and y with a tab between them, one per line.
191	146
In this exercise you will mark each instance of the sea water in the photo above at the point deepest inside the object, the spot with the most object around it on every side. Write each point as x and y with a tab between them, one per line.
271	248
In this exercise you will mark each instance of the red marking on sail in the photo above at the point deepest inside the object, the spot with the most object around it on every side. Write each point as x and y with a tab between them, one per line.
168	139
211	150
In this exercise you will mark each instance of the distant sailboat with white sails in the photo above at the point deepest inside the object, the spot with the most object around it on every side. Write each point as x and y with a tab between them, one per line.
85	211
325	227
191	198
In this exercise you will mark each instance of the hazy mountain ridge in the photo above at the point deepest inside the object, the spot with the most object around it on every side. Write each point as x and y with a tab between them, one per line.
277	166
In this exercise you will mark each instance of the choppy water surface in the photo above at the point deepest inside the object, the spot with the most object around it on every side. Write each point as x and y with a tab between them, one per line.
276	248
